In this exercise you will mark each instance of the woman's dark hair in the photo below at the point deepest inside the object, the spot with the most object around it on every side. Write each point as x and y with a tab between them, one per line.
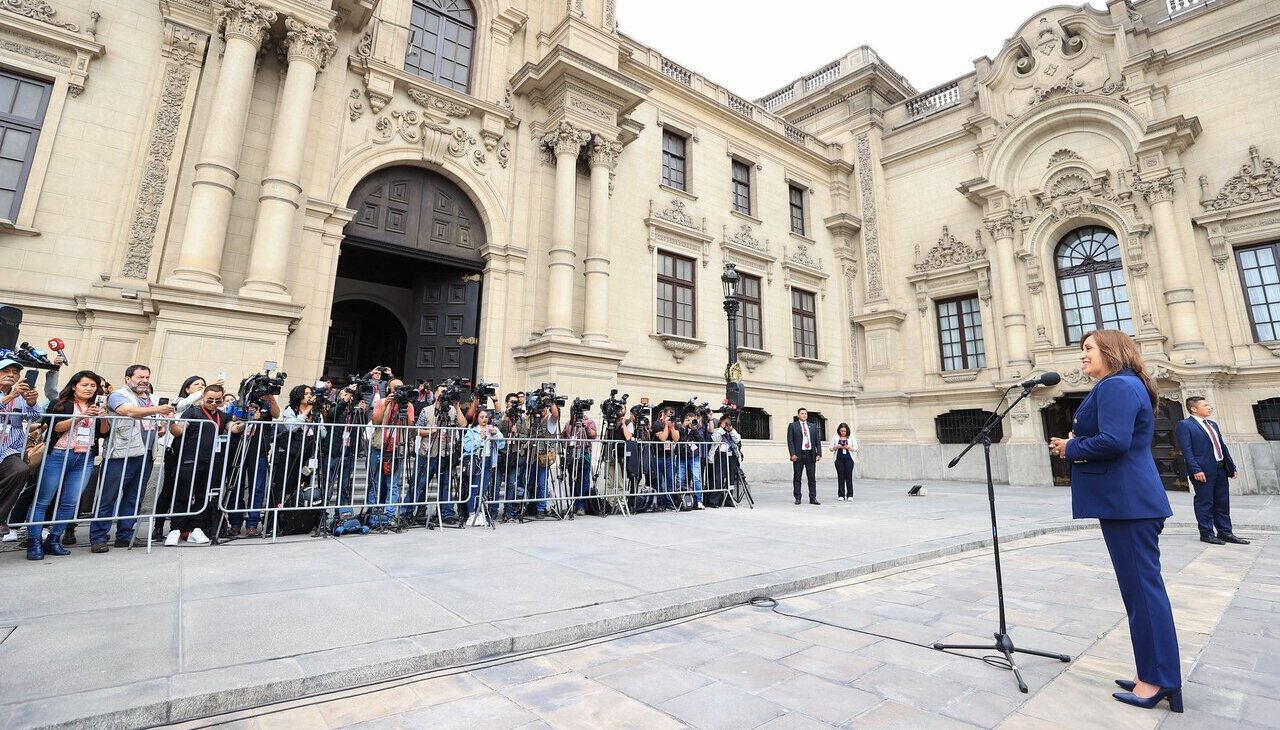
182	392
295	395
68	392
847	430
724	418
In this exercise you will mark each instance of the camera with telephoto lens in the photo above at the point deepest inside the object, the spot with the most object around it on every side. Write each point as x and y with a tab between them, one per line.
360	385
403	395
579	408
693	407
452	392
643	415
613	406
260	385
484	390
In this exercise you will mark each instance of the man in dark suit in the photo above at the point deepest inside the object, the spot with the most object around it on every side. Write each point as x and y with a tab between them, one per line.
1209	465
805	451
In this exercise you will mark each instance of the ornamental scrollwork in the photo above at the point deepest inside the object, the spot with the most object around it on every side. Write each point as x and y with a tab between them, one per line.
355	107
37	10
406	124
948	251
870	223
746	236
439	104
1155	191
604	152
1077	377
804	257
1063	155
677	214
565	139
1259	179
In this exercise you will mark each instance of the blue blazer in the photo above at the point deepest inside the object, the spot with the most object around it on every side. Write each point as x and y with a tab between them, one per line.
1113	475
1197	449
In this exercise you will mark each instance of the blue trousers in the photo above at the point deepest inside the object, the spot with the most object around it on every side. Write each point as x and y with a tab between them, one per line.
1212	503
64	475
1134	546
123	481
442	468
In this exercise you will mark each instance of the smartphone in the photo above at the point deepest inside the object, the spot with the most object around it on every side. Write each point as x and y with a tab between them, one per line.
163	401
222	376
100	401
30	377
269	365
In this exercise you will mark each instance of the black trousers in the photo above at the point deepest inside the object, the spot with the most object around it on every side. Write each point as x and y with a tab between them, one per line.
13	477
844	477
804	462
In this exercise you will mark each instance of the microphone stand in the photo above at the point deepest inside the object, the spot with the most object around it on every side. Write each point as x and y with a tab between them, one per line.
1003	642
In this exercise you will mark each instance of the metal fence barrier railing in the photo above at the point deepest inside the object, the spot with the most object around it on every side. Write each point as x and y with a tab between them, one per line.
214	478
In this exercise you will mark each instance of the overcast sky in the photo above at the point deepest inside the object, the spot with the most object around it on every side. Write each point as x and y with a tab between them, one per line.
753	48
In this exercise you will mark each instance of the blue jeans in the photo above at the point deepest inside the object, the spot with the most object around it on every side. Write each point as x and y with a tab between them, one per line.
509	475
124	480
691	465
665	473
580	478
66	469
257	473
382	488
529	472
480	477
439	467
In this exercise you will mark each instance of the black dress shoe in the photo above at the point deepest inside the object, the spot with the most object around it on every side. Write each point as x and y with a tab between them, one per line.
1211	540
797	501
1228	537
1173	694
814	501
1126	684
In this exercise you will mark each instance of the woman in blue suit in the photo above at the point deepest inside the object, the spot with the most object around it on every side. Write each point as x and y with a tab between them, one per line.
1114	478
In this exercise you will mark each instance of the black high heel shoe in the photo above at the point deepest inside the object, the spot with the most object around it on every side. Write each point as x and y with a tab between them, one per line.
1126	684
1174	694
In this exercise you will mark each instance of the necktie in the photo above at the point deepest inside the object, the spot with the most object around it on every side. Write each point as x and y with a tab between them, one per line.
1213	436
807	445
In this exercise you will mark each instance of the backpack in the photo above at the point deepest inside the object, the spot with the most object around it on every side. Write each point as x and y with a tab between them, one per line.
595	504
643	500
687	502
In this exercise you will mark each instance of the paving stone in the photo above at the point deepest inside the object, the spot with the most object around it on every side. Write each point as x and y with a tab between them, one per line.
839	666
892	714
747	671
488	710
528	670
984	709
916	689
719	705
821	699
654	681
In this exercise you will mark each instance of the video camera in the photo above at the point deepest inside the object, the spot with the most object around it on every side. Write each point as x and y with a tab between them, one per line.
542	398
453	392
579	408
701	410
403	395
29	356
259	385
613	406
643	415
485	391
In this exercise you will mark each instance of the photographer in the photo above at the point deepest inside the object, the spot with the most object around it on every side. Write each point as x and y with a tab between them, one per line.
694	434
253	471
379	379
390	416
297	455
436	447
481	445
347	414
580	432
666	434
538	429
129	458
508	479
726	443
201	444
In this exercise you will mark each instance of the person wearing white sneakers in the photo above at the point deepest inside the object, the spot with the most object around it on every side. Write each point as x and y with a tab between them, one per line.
844	446
202	444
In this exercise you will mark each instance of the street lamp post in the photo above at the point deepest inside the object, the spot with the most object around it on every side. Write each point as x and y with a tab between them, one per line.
734	393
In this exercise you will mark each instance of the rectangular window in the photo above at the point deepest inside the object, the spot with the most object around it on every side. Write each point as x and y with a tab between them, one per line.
23	102
673	160
750	331
804	324
753	423
796	194
960	334
741	187
1261	279
676	300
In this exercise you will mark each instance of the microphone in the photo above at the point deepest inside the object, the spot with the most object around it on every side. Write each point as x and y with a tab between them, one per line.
1049	378
60	347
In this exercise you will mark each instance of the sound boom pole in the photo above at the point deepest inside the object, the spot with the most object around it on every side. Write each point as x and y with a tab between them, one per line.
1003	642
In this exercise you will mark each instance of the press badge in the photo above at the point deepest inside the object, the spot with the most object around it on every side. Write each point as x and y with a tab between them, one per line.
84	438
219	442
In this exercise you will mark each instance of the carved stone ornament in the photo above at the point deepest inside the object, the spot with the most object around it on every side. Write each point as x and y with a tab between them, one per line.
804	257
680	347
948	251
37	10
244	19
364	49
809	367
309	43
676	214
1159	190
746	237
565	139
431	102
1001	227
155	177
604	152
355	107
1257	180
870	224
1077	377
752	358
1063	155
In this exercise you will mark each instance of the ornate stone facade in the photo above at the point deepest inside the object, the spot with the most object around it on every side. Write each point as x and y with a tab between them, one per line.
1110	119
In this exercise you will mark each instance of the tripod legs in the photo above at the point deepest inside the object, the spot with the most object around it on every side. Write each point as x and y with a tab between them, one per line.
1004	645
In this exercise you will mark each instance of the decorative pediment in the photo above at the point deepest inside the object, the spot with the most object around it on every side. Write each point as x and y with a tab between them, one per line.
801	269
748	251
673	228
1258	180
948	251
32	28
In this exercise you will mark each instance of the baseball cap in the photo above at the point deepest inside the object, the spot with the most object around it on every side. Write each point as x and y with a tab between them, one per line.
9	362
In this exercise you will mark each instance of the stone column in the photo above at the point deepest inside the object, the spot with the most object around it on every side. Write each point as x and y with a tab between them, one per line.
1012	312
1179	295
603	156
310	48
244	26
565	141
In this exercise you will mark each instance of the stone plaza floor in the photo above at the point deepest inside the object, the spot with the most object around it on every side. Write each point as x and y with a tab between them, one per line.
641	621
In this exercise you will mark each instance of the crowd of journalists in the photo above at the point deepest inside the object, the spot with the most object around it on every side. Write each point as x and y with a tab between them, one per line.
212	463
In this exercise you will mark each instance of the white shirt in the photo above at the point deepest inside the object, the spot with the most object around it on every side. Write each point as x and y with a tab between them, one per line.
1213	437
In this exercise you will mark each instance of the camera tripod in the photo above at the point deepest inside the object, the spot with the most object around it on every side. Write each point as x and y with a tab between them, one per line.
613	466
738	485
349	442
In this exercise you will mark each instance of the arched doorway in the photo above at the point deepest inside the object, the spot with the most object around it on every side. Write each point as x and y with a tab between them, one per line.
362	336
414	244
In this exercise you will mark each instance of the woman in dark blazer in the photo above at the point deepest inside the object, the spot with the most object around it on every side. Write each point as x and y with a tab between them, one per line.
1114	478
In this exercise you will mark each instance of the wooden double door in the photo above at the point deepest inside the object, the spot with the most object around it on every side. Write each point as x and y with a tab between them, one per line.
1164	447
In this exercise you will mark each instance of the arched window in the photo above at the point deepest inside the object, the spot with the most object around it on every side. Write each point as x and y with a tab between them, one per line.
1091	283
441	34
